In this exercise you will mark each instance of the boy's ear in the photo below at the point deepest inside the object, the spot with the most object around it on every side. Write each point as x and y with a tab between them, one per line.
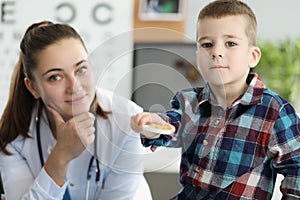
255	57
31	87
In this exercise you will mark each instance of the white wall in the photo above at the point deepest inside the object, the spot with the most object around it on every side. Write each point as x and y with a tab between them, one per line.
276	19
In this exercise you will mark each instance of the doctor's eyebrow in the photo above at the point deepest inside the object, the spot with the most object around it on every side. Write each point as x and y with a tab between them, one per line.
61	69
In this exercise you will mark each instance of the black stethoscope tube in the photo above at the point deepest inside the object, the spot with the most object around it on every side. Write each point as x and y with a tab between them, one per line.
39	143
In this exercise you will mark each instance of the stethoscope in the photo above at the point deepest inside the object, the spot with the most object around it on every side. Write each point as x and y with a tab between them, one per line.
90	167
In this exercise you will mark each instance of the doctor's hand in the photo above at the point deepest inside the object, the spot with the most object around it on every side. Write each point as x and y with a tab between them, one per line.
72	138
138	122
74	135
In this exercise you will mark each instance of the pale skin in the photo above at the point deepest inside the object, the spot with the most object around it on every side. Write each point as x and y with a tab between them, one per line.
64	81
224	58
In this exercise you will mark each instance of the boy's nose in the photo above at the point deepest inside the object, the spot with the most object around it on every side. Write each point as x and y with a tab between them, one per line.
217	55
217	52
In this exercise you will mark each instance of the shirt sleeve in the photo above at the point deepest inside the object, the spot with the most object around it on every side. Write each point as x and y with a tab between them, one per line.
20	184
173	116
285	147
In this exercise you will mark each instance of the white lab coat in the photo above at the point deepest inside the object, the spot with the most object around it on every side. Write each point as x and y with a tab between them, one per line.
119	151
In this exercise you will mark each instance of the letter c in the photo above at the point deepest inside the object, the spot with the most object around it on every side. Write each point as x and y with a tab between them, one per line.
102	13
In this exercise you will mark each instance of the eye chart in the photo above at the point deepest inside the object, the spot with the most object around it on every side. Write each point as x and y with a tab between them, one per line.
97	21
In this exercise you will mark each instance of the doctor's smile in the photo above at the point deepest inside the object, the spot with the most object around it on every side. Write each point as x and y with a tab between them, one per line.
76	100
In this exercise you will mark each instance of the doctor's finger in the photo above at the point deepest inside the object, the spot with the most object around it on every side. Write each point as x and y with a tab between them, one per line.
85	123
83	117
87	132
87	138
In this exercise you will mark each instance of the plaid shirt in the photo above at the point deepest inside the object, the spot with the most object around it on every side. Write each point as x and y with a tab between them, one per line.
234	153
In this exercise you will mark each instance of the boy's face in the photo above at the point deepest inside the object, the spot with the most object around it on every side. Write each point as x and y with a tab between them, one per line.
224	55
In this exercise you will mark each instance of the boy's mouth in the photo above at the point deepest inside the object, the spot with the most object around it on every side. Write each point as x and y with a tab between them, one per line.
219	67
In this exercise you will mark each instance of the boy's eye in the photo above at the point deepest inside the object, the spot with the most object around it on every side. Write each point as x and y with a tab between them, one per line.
230	44
206	45
82	70
54	78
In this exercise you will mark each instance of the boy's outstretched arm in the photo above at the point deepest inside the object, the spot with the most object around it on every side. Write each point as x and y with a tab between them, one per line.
138	122
152	139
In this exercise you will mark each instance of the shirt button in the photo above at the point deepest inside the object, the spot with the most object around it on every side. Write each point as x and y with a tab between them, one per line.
197	169
205	142
217	122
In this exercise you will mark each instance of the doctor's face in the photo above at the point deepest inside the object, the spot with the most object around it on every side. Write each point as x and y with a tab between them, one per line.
64	78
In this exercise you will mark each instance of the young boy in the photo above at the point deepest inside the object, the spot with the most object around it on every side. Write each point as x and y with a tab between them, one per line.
235	134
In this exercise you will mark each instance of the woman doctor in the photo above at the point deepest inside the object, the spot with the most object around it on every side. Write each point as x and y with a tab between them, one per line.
60	137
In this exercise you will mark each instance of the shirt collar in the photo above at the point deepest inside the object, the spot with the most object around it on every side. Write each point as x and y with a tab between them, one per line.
252	95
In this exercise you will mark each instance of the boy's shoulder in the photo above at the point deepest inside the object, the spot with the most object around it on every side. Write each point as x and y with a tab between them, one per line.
192	90
269	94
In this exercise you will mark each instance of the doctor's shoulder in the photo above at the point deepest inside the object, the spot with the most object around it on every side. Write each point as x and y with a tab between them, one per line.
115	103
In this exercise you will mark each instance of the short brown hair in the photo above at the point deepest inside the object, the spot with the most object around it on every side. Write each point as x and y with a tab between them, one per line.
223	8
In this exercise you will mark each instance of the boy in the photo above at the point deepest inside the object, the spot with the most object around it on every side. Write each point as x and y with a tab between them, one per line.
235	134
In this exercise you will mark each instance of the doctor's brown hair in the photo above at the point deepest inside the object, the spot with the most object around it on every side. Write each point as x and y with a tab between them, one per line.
16	117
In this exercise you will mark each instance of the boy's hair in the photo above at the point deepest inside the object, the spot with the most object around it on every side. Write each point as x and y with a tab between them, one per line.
223	8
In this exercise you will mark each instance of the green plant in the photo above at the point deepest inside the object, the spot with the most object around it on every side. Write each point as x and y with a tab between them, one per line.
279	67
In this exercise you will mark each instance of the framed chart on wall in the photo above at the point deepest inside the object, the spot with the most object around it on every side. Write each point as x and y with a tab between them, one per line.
161	10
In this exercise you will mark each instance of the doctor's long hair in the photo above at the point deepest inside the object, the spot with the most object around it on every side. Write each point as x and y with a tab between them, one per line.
16	117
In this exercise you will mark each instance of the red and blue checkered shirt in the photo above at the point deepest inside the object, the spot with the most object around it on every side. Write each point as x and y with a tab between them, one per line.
234	153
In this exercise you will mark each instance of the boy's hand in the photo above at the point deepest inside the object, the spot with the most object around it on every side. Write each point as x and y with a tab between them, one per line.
139	120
